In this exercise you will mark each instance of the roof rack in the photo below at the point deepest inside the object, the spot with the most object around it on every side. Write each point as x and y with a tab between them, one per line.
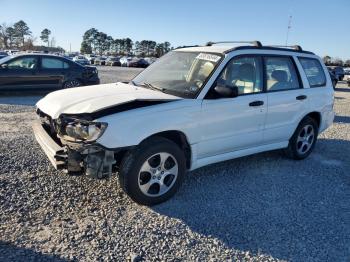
295	47
254	43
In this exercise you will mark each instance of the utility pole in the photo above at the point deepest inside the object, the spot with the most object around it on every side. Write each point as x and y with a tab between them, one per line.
70	47
288	28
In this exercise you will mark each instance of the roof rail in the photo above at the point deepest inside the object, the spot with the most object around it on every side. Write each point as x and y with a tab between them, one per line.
295	47
254	43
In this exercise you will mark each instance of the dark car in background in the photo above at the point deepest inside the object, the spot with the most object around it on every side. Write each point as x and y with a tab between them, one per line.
113	61
333	78
138	62
338	71
100	60
41	71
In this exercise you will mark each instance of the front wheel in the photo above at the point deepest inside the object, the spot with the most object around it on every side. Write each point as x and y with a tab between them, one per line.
153	172
71	83
303	140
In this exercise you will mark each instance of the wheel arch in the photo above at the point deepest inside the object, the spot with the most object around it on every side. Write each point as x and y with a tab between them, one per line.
179	138
314	115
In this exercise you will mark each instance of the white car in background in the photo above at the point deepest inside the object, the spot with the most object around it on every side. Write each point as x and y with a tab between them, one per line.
125	61
80	59
347	76
193	107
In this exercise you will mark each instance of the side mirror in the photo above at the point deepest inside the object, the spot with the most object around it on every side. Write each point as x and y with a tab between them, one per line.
226	91
4	66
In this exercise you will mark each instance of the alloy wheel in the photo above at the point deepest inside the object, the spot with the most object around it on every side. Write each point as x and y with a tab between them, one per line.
72	83
158	174
305	139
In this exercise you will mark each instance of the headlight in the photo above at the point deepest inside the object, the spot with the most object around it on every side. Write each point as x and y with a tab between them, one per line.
84	131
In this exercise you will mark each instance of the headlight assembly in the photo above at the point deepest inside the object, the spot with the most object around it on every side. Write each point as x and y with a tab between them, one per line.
84	130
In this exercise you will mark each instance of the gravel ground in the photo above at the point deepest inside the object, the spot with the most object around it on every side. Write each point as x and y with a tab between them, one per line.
258	208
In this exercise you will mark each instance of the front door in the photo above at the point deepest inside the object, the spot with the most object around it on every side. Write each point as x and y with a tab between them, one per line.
231	124
20	73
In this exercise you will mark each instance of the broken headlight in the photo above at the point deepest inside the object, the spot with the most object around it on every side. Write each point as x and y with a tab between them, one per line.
84	131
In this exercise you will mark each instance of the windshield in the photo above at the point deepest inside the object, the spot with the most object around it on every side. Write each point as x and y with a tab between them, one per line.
179	73
5	59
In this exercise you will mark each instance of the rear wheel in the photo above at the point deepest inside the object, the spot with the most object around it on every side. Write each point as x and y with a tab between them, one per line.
153	172
72	83
303	140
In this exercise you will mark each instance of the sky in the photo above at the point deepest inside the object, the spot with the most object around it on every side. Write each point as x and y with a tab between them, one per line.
319	26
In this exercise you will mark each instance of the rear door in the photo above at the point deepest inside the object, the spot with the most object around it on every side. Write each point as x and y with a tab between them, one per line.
287	99
53	71
20	73
232	124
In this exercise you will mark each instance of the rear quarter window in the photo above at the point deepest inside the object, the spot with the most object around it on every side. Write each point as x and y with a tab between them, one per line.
314	71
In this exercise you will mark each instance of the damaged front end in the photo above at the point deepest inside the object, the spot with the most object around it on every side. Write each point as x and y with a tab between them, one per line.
69	143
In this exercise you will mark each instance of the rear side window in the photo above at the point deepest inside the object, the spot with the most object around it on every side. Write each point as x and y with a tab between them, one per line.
53	63
314	71
280	74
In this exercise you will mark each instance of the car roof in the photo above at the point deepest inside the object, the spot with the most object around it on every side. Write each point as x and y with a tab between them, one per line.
37	54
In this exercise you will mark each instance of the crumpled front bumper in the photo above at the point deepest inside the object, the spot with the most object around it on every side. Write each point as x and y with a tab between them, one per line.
95	160
54	152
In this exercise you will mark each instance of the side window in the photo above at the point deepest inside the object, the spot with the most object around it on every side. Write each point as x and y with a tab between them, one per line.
65	65
280	74
245	73
314	71
23	63
53	63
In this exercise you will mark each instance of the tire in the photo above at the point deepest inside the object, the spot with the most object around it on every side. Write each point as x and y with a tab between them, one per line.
143	177
72	83
303	140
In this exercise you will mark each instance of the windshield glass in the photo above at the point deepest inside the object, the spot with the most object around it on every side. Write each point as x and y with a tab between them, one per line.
5	59
179	73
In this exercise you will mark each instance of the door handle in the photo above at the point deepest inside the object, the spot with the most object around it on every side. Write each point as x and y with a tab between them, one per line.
256	103
302	97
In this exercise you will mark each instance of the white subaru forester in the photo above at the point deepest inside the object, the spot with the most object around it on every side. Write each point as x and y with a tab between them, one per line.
193	107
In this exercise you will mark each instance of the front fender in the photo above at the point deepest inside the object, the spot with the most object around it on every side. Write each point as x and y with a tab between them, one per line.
131	127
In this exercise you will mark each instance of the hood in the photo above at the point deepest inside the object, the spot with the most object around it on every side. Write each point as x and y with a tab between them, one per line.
91	99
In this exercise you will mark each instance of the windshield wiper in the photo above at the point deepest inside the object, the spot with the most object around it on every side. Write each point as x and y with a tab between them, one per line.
149	85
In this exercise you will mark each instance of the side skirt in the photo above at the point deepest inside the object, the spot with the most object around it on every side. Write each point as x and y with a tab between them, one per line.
235	154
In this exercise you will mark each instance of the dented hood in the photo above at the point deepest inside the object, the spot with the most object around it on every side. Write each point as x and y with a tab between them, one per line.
95	98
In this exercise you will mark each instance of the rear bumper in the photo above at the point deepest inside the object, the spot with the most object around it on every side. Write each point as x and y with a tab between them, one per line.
55	153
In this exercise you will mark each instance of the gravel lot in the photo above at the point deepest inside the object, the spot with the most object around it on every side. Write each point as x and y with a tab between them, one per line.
258	208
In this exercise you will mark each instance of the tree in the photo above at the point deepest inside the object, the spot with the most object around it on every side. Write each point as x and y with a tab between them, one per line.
11	34
21	30
128	45
3	36
327	59
45	34
85	48
90	38
29	43
337	61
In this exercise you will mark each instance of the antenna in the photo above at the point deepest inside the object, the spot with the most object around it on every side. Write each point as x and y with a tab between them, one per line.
288	28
